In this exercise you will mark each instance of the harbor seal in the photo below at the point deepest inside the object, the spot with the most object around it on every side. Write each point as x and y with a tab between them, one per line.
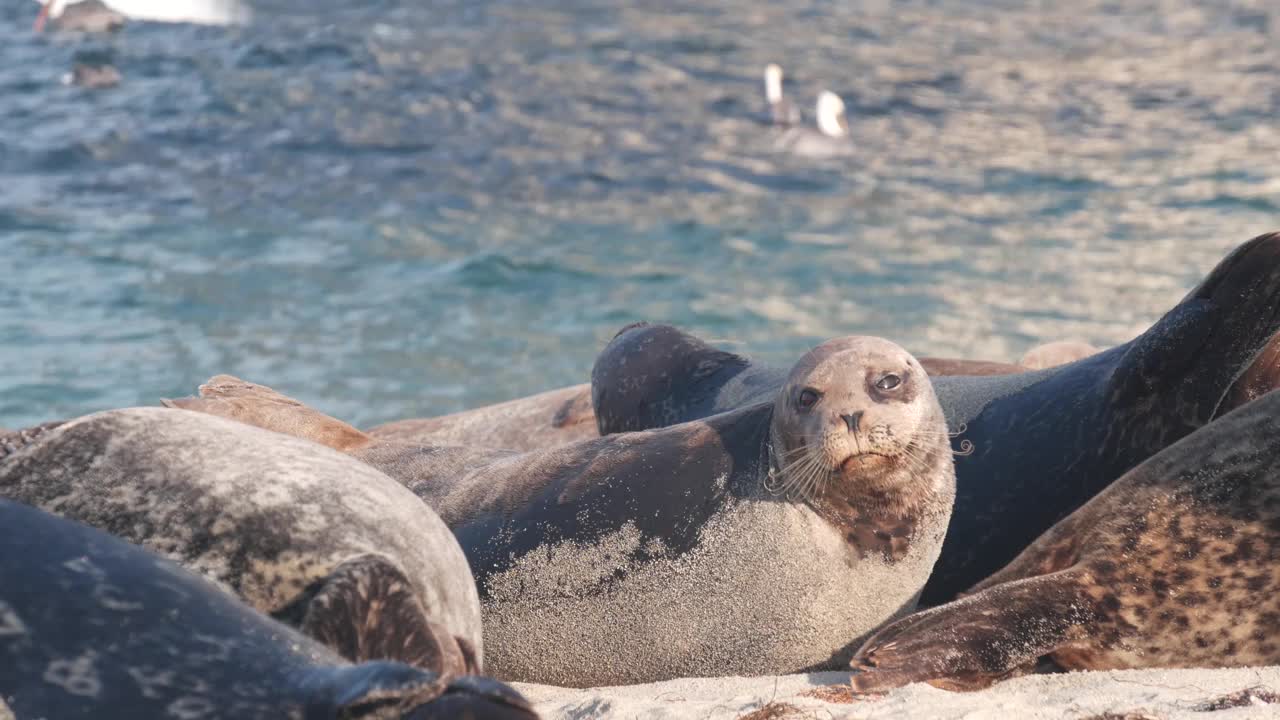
306	534
1053	354
1175	564
558	417
1043	442
92	626
765	540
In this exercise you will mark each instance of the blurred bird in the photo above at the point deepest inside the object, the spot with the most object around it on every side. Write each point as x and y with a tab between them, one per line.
107	15
781	110
831	139
92	76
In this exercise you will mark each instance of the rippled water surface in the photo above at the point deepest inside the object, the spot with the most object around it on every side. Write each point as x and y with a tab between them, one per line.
395	209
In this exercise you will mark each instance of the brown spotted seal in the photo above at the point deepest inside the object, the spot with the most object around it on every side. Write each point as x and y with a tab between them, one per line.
1176	564
296	530
1044	442
95	627
764	540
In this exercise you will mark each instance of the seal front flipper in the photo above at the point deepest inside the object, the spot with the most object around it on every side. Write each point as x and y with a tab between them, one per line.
260	406
366	609
981	639
1194	354
376	690
476	698
11	441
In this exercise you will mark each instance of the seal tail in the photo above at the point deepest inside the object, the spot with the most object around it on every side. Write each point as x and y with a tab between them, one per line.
258	405
11	441
1199	348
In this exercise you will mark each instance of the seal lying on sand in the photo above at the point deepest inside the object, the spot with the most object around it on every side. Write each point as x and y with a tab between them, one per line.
94	627
1176	564
299	531
765	540
1043	442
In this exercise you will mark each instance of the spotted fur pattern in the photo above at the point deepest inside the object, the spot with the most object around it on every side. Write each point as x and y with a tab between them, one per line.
267	516
1176	564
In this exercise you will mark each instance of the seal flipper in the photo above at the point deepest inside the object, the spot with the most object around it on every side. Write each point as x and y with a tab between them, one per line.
980	639
11	441
260	406
366	609
378	690
1196	351
477	698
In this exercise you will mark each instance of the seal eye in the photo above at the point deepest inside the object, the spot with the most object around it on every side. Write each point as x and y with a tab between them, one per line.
888	382
808	398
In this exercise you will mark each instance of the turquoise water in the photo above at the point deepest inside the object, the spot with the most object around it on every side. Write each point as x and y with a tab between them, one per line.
405	209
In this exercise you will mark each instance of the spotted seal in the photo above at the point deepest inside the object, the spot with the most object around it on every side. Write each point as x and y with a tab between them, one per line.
92	626
1044	442
764	540
1175	564
296	530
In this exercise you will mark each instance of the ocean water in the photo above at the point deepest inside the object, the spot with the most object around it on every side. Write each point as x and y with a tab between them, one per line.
400	209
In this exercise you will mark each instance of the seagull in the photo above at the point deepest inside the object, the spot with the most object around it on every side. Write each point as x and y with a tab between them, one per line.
102	15
784	114
831	139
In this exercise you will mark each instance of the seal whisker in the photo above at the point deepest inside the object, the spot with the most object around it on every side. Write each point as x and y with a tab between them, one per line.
804	479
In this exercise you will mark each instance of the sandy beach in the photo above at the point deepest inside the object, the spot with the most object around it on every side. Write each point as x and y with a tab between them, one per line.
1120	695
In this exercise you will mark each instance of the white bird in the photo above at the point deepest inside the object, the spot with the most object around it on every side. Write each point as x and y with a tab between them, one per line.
831	139
781	110
97	15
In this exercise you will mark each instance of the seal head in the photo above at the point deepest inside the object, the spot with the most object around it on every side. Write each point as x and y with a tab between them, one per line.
865	449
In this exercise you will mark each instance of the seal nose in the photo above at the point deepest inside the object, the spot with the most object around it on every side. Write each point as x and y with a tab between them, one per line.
852	420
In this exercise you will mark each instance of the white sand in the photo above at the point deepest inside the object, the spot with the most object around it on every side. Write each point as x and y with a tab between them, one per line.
1137	694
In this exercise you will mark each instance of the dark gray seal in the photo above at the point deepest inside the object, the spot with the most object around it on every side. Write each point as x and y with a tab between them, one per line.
765	540
1173	565
294	529
94	627
1043	442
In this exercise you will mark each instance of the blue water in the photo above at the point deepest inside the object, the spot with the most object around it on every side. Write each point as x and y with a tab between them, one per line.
397	209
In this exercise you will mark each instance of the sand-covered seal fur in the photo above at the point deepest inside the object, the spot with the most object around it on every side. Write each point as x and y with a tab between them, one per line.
1176	564
296	530
95	627
765	540
1044	442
